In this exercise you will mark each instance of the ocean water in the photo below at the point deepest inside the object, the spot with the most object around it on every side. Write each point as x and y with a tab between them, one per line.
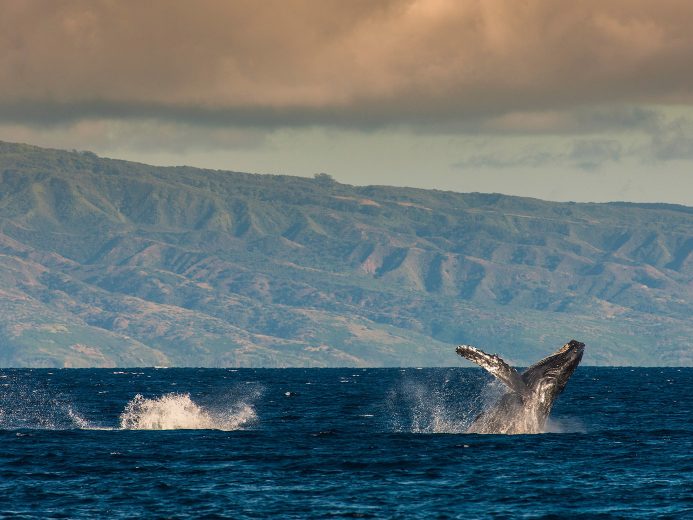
338	443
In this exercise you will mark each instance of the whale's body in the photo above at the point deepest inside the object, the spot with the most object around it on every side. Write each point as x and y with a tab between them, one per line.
526	407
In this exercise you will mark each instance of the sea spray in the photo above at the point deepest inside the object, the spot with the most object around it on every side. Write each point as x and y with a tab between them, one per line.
431	413
421	403
36	403
564	425
26	406
174	411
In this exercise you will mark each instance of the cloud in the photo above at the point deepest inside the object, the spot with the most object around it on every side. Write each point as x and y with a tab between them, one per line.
140	135
524	159
493	65
591	154
582	120
583	154
672	141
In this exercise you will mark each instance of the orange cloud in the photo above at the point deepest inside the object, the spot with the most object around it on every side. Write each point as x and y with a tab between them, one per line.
329	61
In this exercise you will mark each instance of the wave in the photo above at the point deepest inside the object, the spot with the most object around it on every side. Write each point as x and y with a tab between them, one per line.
176	411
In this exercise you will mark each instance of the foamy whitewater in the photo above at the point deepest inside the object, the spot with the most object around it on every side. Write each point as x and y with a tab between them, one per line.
178	412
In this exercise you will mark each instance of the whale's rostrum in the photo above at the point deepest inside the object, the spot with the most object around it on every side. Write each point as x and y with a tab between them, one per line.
527	405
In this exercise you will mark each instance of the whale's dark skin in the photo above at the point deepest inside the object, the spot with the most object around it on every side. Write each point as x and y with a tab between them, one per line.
526	407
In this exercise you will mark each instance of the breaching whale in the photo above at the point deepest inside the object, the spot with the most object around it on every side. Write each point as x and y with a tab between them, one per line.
525	408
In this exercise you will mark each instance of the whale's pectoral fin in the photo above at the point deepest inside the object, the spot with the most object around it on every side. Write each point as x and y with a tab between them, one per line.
495	365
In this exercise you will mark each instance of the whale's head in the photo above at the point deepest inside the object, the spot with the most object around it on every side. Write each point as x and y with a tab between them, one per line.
571	354
546	379
554	371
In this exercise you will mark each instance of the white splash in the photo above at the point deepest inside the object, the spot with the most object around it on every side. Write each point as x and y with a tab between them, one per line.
435	407
78	421
24	406
438	420
564	425
428	408
176	411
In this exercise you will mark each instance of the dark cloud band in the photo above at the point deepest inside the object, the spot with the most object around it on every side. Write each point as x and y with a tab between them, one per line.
434	63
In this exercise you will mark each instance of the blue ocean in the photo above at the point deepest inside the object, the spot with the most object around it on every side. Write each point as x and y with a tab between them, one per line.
338	443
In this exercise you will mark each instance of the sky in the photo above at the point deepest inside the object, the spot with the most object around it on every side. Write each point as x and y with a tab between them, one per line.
584	101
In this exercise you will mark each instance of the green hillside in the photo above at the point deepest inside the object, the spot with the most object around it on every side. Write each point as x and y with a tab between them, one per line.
112	263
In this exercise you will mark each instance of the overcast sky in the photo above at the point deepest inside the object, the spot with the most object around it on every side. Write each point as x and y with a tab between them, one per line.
589	100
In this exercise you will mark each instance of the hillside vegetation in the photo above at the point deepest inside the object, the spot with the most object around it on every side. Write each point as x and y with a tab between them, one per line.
113	263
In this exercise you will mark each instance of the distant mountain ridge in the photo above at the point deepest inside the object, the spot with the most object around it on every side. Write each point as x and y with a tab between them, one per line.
112	263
